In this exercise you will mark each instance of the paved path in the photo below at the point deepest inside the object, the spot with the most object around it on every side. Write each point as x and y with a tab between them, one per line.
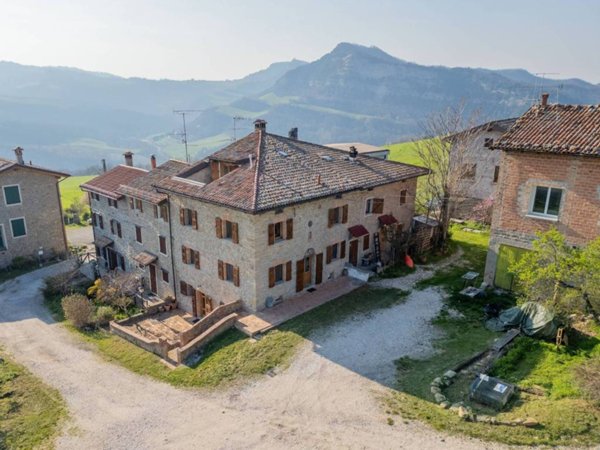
315	403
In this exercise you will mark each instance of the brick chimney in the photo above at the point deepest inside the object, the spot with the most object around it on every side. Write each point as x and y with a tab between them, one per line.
103	165
153	161
293	133
19	154
545	96
260	125
128	158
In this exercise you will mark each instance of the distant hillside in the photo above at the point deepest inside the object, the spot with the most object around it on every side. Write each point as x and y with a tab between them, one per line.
357	93
70	119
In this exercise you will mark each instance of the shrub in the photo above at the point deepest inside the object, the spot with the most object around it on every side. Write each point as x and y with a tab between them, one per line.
104	314
93	289
20	263
78	309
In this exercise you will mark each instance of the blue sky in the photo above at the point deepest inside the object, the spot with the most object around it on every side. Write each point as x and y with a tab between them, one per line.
182	39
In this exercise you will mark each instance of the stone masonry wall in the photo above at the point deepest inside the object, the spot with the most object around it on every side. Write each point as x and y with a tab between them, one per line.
40	206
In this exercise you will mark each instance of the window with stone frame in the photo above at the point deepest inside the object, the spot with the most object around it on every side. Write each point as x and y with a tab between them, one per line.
12	194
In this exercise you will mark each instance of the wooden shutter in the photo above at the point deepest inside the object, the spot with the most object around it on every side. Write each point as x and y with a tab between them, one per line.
156	211
235	237
101	221
219	227
94	219
112	226
271	233
345	214
182	216
288	271
208	303
366	242
299	275
329	254
331	217
221	270
195	220
342	250
377	206
131	203
183	287
184	254
289	229
271	277
119	229
236	276
197	259
319	269
141	206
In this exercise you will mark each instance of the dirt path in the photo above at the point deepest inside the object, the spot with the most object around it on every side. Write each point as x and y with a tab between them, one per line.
320	401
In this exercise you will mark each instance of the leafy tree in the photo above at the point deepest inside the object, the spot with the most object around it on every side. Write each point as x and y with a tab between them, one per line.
563	278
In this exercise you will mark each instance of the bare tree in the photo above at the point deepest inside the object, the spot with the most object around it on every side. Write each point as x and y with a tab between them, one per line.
446	149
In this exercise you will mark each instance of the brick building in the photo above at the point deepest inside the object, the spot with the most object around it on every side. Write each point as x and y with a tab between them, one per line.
31	223
549	177
262	219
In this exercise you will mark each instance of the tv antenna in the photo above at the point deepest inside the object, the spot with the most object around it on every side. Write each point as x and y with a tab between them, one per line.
543	76
182	113
236	119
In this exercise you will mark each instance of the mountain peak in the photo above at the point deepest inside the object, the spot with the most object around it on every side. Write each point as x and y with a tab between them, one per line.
345	49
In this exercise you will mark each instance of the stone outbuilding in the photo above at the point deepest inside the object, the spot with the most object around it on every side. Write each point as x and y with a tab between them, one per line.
31	221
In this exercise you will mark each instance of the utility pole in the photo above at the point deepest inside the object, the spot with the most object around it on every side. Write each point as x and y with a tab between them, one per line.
183	112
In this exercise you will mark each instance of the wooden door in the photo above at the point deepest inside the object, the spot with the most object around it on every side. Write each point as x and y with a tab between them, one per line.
307	271
299	275
153	288
354	252
319	269
112	258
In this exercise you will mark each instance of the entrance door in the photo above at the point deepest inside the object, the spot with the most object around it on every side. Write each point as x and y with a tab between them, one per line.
112	258
319	269
203	304
307	271
153	288
354	252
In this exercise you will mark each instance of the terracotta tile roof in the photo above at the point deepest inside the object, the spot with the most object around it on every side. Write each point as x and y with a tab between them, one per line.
103	241
143	187
144	258
108	182
387	219
286	171
6	164
360	147
358	231
563	129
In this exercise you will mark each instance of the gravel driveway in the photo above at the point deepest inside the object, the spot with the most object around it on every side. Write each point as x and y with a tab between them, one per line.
321	401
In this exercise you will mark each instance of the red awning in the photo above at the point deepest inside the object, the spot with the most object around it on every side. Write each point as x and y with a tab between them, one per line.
387	219
358	231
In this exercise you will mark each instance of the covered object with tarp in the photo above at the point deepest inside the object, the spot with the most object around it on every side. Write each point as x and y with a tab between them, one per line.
531	318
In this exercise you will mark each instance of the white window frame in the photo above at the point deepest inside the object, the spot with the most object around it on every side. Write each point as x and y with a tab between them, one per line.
4	237
545	216
11	227
20	195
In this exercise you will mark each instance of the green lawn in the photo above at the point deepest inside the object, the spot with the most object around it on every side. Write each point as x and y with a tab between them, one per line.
404	152
233	357
30	411
565	417
71	193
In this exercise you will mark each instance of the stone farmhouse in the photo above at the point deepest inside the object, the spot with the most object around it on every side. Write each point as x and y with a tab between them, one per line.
261	220
549	177
479	177
31	224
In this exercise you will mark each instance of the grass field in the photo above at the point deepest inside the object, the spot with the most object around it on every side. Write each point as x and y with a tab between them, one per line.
30	411
565	417
404	152
69	189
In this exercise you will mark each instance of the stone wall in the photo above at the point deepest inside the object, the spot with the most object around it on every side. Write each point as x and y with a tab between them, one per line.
209	320
202	340
40	206
520	173
159	347
127	245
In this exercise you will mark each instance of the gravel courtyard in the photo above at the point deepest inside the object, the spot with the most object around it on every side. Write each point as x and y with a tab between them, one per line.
327	398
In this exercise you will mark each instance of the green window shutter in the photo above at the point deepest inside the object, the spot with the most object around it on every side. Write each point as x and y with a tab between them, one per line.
18	227
12	195
2	239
